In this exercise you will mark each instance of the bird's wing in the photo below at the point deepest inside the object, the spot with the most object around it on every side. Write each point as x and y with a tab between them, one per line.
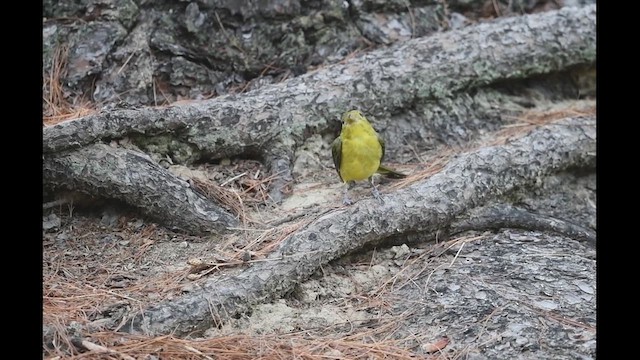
336	153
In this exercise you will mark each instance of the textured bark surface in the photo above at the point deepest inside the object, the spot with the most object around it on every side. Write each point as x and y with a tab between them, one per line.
384	81
471	180
434	74
507	216
157	52
102	171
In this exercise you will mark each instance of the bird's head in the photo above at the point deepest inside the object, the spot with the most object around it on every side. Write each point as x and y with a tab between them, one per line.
352	117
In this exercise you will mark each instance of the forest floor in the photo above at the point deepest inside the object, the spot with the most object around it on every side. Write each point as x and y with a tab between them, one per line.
506	294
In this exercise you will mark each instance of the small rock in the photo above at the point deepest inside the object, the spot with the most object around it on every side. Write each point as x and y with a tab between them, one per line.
193	18
63	236
137	224
190	287
333	354
51	222
457	20
520	341
480	295
109	218
400	252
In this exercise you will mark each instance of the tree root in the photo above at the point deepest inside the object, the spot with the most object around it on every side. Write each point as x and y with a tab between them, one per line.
468	182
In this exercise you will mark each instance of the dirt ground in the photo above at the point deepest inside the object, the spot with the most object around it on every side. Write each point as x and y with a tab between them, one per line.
508	294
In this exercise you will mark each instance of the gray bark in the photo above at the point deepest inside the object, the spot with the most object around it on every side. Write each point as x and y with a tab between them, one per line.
102	171
470	181
271	122
277	117
502	216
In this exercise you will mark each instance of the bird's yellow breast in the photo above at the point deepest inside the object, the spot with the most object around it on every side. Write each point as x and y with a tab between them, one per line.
361	151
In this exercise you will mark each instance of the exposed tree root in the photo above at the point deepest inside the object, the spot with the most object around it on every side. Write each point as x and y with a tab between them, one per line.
466	183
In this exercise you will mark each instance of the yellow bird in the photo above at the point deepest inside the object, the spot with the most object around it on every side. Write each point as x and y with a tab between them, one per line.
357	153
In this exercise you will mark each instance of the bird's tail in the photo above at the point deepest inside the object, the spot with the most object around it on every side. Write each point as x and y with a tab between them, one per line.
390	173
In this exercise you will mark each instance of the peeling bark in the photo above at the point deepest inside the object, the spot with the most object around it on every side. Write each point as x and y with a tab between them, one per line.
469	181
